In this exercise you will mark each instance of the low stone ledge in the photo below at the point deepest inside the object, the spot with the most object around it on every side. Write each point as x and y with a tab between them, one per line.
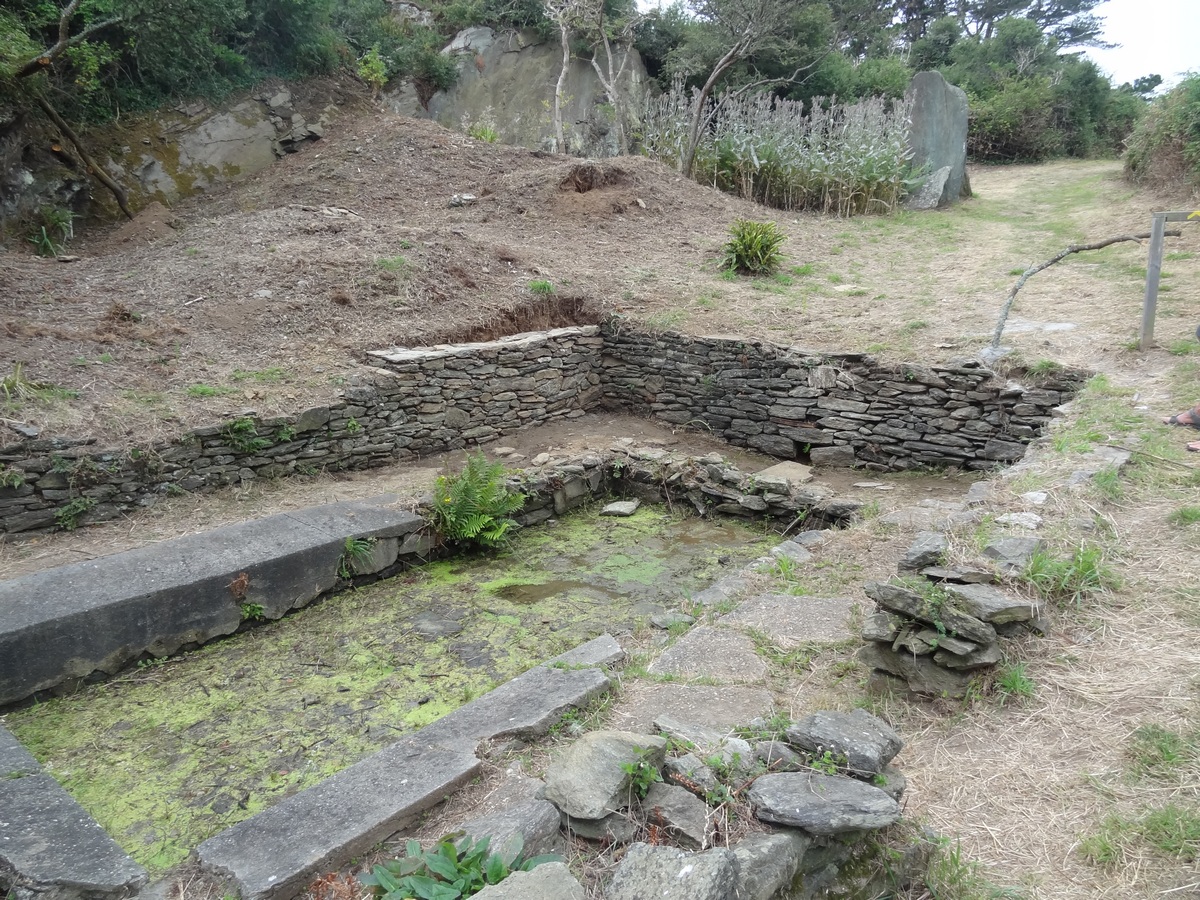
275	853
102	614
50	848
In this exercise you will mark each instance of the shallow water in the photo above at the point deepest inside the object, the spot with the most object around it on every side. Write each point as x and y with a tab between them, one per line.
171	753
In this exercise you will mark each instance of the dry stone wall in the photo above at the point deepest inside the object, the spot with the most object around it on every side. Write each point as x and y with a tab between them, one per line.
837	408
787	402
414	402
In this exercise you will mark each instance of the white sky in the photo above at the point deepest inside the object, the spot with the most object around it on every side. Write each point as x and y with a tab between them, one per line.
1156	36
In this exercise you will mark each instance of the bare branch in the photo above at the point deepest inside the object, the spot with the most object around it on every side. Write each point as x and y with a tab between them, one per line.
1058	257
65	40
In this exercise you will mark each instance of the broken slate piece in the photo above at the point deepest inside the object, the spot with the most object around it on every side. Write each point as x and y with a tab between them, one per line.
959	574
822	804
1029	520
1012	554
615	828
621	508
977	659
868	743
927	550
667	619
689	772
666	873
991	604
779	757
683	815
708	742
792	551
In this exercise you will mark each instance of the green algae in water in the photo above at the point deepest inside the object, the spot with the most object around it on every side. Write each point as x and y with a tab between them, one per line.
169	754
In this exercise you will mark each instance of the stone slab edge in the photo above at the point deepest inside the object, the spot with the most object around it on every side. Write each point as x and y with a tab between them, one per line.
101	614
276	853
49	845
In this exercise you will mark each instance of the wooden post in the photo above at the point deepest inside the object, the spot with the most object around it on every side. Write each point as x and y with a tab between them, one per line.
1153	272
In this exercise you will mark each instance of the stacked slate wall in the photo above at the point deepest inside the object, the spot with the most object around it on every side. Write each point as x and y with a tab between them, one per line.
414	402
787	401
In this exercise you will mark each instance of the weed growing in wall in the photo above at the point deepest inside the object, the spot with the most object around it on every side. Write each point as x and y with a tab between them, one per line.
474	506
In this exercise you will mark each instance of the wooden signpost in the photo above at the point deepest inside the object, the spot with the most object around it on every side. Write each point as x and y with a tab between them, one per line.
1158	229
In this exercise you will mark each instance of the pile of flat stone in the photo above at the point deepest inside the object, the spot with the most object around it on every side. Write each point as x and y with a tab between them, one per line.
937	627
816	786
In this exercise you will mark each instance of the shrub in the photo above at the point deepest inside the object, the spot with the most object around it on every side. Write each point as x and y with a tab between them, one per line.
448	871
753	248
474	506
1165	145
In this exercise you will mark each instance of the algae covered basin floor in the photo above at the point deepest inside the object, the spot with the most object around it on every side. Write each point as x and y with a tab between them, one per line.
169	754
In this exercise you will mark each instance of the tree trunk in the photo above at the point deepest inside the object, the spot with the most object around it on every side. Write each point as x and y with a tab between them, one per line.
560	141
92	167
693	144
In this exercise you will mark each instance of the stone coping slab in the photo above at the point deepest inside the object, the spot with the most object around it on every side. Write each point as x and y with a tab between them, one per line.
523	340
277	852
49	846
101	614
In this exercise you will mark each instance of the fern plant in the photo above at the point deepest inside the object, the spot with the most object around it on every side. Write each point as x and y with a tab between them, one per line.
475	505
753	248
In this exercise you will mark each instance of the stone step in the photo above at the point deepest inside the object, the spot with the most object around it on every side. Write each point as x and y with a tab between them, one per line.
102	614
50	848
277	852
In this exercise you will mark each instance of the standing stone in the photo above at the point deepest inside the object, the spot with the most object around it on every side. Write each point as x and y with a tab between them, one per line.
938	131
588	782
868	743
822	804
665	873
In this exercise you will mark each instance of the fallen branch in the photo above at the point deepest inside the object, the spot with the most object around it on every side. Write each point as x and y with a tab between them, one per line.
103	177
1074	248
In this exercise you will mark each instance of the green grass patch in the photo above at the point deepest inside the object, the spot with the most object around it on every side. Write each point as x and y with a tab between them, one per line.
207	390
262	376
1083	574
1185	516
1172	831
1158	752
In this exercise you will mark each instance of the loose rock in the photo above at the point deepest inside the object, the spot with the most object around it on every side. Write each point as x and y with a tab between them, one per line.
587	780
621	508
822	804
991	604
681	813
926	550
665	873
867	743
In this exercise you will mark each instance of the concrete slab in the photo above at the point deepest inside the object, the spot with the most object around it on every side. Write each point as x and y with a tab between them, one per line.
793	621
716	707
707	652
49	845
275	853
15	760
101	614
600	651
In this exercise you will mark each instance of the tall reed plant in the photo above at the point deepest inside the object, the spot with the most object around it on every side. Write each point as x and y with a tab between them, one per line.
841	159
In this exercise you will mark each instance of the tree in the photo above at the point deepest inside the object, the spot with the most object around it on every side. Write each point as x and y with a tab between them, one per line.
604	33
568	16
736	30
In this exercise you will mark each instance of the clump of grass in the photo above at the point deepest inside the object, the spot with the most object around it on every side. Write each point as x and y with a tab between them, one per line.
1083	574
753	248
1172	831
541	288
1159	752
1185	516
1013	683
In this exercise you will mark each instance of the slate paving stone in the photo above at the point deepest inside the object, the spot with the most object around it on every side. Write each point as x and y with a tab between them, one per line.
790	621
718	707
707	652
